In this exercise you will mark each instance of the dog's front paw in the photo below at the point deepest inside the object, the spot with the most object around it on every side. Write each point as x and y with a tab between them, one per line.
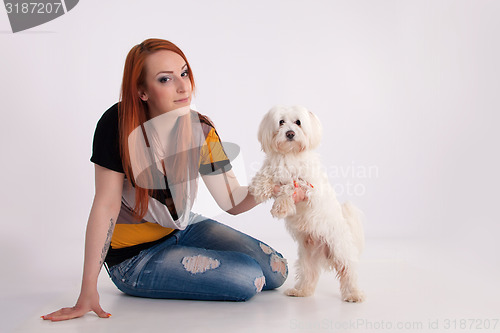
283	208
294	292
260	193
355	296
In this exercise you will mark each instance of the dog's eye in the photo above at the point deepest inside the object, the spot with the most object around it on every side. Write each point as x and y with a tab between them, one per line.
298	122
282	122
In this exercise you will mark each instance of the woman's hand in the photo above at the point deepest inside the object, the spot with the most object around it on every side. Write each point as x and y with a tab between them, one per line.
85	303
298	195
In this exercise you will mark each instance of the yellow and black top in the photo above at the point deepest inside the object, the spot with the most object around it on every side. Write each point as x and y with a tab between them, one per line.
129	236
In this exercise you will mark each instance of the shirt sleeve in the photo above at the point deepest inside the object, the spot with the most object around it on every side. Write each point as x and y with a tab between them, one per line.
105	147
213	158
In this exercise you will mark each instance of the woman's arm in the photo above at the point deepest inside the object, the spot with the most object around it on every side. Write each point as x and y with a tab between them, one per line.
228	193
103	215
234	198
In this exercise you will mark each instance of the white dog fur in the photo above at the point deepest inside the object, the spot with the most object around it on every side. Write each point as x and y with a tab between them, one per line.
329	235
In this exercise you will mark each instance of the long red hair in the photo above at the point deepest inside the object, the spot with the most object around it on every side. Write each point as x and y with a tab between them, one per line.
132	111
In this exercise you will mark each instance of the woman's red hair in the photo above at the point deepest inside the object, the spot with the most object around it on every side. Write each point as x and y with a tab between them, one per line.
132	111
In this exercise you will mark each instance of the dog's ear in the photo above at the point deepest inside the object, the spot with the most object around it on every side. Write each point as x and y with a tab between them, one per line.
266	131
315	131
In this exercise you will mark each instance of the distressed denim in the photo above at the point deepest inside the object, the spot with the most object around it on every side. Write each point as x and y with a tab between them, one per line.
206	261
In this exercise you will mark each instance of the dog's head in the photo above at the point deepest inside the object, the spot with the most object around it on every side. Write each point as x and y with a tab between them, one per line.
289	130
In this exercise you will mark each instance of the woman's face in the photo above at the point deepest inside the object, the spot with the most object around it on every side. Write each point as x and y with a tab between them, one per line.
167	84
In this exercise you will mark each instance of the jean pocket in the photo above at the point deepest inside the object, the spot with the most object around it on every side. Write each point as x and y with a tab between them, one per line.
125	268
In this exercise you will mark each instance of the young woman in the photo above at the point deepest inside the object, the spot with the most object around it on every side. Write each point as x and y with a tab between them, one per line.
148	151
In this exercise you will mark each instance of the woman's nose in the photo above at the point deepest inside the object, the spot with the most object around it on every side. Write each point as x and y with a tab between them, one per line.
182	85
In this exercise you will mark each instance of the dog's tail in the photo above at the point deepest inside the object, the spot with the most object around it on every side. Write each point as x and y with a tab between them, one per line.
354	218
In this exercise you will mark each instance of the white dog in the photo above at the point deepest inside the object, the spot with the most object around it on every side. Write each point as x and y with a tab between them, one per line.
330	235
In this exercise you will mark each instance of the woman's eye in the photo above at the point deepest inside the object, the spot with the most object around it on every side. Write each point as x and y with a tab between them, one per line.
298	122
185	73
164	79
282	122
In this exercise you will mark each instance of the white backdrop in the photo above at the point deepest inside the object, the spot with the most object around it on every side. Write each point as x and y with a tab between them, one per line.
407	92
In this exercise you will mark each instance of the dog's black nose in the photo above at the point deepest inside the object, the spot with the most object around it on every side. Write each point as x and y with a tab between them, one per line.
290	135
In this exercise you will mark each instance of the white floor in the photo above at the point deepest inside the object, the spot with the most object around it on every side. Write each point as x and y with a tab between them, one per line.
411	285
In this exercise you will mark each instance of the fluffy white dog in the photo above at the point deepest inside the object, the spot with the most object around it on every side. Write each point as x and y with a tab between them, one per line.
330	235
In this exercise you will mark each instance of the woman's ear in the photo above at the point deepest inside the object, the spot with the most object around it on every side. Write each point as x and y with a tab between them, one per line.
142	94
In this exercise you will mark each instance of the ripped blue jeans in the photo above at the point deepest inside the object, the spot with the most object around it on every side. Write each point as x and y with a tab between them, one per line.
206	261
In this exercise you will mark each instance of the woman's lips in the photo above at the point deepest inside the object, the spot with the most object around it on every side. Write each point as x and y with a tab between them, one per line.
184	100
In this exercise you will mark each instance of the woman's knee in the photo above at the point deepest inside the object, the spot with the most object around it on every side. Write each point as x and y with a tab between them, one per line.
274	266
246	278
257	279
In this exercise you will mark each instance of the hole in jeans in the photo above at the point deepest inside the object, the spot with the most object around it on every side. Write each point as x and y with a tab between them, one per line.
199	264
259	283
279	265
266	249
